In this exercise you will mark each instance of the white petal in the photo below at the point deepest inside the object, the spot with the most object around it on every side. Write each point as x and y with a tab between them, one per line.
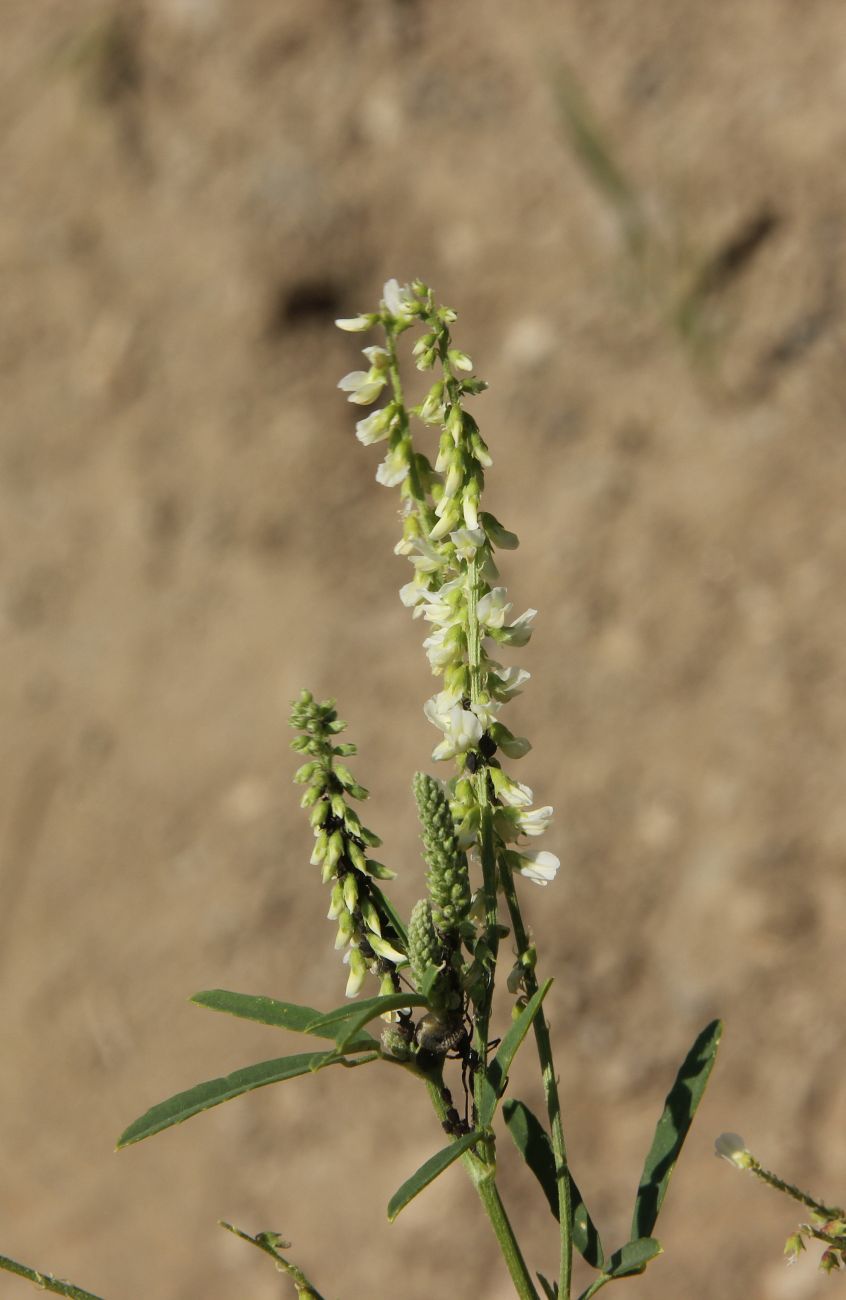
354	324
392	297
539	867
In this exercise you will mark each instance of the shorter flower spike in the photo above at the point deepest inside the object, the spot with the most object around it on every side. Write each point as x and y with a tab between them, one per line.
448	878
424	947
341	841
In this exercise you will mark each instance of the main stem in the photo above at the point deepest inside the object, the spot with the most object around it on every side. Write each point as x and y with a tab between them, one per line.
550	1087
481	1168
482	1176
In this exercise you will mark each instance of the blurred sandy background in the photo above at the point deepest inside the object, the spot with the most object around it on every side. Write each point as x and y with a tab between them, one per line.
637	207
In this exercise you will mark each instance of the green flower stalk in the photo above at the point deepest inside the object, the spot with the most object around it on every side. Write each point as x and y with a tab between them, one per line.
451	542
365	926
829	1221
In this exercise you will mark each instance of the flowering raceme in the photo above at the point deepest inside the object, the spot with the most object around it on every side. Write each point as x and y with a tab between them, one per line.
450	542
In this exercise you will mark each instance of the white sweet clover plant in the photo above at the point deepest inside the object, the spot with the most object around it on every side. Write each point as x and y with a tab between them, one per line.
437	975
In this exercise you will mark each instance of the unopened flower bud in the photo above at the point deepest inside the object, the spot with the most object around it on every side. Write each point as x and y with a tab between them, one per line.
732	1148
350	891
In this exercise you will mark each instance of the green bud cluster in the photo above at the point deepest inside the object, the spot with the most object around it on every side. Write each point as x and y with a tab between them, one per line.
341	845
429	958
448	877
425	949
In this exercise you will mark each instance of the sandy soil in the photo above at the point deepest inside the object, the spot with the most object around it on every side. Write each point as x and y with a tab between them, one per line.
638	210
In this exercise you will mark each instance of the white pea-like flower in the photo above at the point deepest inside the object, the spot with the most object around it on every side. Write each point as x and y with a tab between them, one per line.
397	299
356	324
540	866
428	558
519	632
363	386
510	793
442	648
375	427
462	729
486	711
358	970
459	360
493	608
412	593
508	682
394	468
467	541
534	821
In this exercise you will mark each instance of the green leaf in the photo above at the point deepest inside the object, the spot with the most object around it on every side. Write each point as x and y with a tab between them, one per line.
428	1172
550	1289
428	980
534	1145
626	1262
633	1257
672	1128
497	1072
346	1021
383	902
205	1095
267	1011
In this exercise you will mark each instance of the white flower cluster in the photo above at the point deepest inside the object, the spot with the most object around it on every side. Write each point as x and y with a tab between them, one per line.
450	542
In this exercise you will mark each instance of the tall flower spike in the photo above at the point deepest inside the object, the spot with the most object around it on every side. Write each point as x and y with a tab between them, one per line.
450	542
341	845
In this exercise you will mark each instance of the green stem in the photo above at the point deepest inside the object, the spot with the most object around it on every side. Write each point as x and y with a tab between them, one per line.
415	486
826	1211
486	841
46	1281
483	1175
550	1087
270	1243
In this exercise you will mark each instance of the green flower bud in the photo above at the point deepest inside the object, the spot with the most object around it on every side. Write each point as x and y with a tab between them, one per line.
378	871
336	903
350	892
384	949
319	813
371	916
335	849
356	855
732	1148
345	930
318	853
